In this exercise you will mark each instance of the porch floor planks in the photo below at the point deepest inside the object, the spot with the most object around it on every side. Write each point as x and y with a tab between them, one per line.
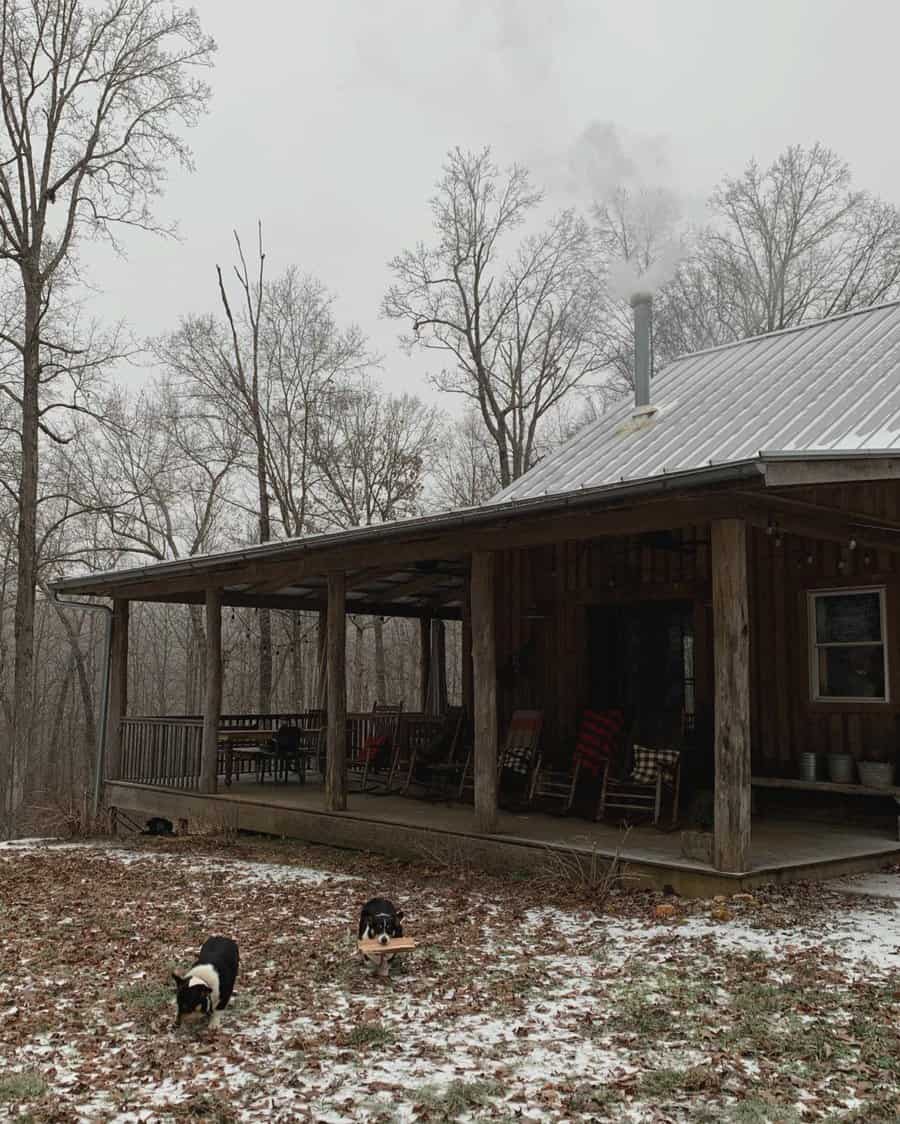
780	849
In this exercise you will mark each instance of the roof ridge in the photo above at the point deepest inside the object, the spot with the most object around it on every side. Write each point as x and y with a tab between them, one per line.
781	332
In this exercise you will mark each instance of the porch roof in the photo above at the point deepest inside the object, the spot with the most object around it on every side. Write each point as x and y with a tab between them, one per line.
415	566
829	387
408	566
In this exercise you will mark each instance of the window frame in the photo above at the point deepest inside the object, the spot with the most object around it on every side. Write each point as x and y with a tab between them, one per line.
815	646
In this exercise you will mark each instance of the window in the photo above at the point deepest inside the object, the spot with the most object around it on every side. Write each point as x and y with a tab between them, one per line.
849	657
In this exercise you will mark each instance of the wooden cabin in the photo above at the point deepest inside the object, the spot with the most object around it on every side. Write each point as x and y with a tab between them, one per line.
725	548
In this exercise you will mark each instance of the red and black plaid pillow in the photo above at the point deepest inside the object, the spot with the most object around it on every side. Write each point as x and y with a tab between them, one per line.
597	738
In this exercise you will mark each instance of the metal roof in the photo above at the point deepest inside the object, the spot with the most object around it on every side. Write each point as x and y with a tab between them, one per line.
830	387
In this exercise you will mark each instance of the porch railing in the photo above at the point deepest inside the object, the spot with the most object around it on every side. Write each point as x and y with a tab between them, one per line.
162	751
167	751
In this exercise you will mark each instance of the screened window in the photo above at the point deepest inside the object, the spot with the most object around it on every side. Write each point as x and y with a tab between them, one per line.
848	636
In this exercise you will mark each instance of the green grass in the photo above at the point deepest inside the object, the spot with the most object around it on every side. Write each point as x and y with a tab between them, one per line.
25	1086
151	995
447	1103
662	1084
368	1034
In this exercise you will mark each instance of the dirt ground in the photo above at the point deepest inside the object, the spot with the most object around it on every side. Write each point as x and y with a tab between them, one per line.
527	1000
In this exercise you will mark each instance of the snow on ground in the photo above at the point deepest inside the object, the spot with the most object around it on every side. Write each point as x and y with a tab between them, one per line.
521	1003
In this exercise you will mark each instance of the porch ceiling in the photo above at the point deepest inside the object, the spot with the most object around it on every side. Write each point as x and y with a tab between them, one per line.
435	586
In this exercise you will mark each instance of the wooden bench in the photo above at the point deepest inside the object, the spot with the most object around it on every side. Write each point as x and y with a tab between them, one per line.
796	785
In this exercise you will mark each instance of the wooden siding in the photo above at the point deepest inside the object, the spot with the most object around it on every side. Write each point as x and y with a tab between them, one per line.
543	595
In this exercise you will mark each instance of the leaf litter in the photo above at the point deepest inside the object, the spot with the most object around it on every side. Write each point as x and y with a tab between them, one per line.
522	1003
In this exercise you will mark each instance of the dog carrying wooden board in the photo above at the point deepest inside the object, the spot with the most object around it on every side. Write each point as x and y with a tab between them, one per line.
396	944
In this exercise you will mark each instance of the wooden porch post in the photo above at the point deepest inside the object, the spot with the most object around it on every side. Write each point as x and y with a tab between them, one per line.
117	702
336	743
731	844
484	661
212	710
424	660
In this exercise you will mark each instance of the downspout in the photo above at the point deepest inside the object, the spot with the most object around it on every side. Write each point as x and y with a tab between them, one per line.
104	692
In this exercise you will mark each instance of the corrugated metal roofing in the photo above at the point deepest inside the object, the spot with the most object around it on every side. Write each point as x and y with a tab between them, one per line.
827	387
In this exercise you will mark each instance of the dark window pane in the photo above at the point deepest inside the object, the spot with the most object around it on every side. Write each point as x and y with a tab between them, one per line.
852	673
847	618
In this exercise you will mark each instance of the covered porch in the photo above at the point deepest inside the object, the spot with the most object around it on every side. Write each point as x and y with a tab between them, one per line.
534	584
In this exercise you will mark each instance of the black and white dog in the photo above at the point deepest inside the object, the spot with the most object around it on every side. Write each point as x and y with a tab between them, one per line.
380	921
207	987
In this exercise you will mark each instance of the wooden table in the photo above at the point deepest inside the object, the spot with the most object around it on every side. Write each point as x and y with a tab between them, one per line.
236	739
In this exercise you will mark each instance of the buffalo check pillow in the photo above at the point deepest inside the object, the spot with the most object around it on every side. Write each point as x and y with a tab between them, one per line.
650	762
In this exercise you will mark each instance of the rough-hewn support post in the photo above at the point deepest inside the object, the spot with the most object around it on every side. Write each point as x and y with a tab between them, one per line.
466	645
117	702
424	660
484	664
212	708
336	744
731	847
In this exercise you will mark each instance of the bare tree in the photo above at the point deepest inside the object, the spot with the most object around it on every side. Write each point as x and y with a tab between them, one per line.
270	367
308	359
91	101
373	452
520	323
785	244
464	469
795	241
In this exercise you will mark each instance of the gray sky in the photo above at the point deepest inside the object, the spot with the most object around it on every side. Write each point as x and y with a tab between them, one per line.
330	119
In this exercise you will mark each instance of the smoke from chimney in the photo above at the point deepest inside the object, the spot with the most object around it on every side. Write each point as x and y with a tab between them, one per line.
642	304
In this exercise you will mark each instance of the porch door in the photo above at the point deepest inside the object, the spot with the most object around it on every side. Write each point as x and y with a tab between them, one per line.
642	658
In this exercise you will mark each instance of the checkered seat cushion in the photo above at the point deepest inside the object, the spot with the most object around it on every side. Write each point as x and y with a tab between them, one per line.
518	759
648	763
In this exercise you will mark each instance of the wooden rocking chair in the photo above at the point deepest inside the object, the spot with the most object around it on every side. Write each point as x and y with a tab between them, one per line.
599	734
433	744
653	774
374	761
518	758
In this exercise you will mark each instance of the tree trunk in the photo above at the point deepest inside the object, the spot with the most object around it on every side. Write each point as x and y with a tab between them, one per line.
193	694
26	577
265	533
50	773
117	700
424	661
380	670
297	693
336	734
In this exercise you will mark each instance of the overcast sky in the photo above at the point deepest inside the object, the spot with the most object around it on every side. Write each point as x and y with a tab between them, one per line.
330	119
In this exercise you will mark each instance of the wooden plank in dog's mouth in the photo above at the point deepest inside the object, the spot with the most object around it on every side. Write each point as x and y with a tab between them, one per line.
396	944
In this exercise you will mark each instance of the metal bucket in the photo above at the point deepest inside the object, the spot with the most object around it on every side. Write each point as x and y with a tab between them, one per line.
811	766
840	767
876	774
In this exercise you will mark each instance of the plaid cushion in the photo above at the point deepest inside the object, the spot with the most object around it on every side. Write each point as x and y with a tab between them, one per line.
596	738
518	758
650	762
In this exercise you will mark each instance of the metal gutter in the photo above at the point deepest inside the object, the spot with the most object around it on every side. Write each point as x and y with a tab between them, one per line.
829	454
454	520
